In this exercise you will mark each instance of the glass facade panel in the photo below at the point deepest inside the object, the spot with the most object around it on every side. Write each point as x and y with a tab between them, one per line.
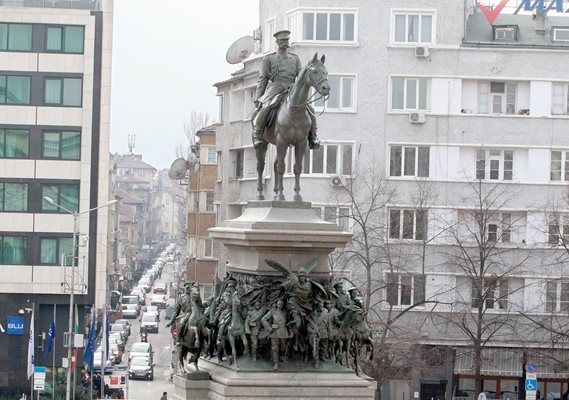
14	143
318	161
17	89
308	26
48	251
74	38
52	93
54	38
411	94
335	26
20	37
349	27
321	26
71	145
347	159
397	93
51	145
15	196
13	250
331	154
72	92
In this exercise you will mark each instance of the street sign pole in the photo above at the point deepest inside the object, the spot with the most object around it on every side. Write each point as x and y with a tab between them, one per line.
531	381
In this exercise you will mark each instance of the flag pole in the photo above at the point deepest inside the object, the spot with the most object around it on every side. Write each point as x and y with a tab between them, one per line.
32	341
53	370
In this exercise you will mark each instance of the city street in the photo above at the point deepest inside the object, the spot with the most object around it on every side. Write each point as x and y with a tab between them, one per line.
152	390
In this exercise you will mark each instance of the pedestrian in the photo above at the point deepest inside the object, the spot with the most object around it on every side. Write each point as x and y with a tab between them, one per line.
164	396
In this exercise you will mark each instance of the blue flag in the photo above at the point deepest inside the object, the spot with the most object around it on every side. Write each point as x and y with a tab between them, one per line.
90	347
50	336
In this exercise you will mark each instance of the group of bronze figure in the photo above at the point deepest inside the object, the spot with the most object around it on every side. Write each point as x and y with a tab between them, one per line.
280	319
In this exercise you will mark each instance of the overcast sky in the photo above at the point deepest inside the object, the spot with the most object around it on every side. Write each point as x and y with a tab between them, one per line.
167	54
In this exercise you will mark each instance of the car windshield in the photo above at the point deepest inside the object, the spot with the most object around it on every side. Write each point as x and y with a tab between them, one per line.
149	318
130	300
139	361
151	308
117	328
159	298
140	348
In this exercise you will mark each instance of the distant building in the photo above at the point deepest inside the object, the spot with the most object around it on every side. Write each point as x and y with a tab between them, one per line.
55	77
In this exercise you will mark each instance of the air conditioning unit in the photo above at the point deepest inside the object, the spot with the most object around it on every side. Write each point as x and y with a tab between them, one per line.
338	181
417	118
422	52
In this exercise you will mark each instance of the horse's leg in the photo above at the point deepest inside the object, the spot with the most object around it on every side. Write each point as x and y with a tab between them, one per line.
299	151
261	152
279	169
276	186
245	342
233	348
182	352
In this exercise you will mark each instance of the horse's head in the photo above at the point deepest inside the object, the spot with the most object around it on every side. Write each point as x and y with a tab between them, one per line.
317	75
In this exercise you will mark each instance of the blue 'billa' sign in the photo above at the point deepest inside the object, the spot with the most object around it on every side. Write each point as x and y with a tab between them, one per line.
15	326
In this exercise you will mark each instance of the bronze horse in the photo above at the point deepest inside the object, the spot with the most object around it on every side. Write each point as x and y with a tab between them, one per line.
291	127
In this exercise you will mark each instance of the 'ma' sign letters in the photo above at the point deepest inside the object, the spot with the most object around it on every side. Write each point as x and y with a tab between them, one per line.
15	325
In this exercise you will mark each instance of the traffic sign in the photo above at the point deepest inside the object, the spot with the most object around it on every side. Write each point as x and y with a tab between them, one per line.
531	367
531	385
39	384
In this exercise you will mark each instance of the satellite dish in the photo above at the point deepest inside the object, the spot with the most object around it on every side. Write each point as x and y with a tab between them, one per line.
178	169
240	50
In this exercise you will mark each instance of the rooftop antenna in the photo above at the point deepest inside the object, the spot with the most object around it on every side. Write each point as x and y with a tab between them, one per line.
131	139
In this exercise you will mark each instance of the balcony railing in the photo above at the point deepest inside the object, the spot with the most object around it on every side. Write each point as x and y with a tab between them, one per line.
67	4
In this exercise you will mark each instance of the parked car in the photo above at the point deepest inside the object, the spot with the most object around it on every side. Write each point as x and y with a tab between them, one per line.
117	338
150	322
97	357
159	300
116	353
140	349
160	288
141	368
125	323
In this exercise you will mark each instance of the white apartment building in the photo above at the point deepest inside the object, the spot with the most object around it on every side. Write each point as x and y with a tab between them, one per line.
55	76
434	96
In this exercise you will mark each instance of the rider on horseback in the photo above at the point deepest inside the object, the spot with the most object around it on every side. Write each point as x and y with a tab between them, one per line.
183	309
277	75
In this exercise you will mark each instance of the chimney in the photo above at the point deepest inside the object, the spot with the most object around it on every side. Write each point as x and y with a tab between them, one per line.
539	19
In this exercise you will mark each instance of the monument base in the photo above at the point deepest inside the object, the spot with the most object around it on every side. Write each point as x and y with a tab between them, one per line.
257	380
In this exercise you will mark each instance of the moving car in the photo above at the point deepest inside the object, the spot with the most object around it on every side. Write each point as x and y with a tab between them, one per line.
150	322
152	309
130	306
116	353
120	328
140	349
159	300
141	368
160	288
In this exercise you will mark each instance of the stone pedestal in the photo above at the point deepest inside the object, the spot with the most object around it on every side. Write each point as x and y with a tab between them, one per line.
277	230
256	381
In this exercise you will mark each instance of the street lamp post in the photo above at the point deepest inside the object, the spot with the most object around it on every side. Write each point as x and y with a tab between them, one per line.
72	285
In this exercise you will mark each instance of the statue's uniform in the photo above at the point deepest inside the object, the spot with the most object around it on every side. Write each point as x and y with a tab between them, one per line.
278	73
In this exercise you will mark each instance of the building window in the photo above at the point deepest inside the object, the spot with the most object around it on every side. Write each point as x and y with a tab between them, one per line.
208	248
220	108
330	158
53	249
497	97
557	296
560	34
558	229
408	224
268	39
209	201
410	93
207	291
342	94
559	99
15	89
413	27
63	91
13	250
14	143
405	289
238	157
495	294
13	196
559	166
409	161
66	196
211	155
500	230
495	164
16	37
64	145
322	25
65	39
